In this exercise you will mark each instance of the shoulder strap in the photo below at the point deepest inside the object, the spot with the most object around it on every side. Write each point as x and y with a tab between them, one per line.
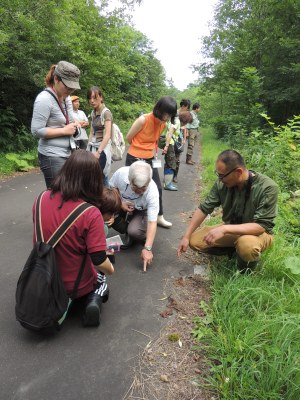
60	231
38	225
67	223
64	226
102	115
53	95
65	113
78	279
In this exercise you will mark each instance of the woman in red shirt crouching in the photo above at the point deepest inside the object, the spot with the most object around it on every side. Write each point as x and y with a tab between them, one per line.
80	180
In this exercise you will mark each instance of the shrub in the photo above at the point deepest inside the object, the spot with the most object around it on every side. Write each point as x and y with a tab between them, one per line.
14	137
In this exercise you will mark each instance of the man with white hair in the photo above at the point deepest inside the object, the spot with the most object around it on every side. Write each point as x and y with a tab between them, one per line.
140	206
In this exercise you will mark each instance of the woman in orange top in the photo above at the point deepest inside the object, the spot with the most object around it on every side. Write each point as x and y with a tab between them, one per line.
143	136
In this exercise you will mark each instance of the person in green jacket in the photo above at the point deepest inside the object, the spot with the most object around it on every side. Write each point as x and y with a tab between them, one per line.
249	203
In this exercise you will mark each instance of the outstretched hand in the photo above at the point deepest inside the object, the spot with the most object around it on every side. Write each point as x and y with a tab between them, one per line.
147	257
183	245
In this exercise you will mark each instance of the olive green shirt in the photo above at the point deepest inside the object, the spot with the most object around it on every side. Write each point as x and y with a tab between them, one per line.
261	206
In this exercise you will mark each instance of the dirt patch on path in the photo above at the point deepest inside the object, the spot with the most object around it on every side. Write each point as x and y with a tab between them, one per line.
173	366
176	370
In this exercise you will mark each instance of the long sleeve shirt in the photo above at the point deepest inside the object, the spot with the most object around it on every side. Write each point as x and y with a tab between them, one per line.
47	114
260	207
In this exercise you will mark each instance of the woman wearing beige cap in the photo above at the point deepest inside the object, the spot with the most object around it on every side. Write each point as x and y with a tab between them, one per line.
53	122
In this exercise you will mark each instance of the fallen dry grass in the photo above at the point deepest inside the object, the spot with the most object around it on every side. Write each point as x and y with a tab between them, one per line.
174	369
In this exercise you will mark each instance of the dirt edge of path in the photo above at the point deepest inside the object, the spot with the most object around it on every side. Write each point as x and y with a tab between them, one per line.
173	366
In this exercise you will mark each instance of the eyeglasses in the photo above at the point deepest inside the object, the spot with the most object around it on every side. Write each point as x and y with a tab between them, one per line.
68	89
222	176
138	189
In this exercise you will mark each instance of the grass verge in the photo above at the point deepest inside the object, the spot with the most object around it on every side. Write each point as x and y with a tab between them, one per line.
252	329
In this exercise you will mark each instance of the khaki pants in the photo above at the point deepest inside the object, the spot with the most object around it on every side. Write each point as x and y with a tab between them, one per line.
248	247
193	135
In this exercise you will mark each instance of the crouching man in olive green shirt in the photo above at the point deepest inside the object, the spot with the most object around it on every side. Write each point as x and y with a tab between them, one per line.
249	203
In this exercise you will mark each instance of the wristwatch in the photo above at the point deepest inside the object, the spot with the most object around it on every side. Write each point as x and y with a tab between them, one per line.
149	248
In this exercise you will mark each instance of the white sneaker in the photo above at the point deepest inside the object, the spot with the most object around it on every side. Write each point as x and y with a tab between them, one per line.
162	222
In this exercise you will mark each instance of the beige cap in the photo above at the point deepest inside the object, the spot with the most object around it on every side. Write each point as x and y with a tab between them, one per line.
68	73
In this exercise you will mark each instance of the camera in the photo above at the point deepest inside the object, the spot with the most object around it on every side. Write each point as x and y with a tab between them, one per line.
77	132
114	246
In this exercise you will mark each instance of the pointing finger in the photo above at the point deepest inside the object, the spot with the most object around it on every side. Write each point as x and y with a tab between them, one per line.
145	266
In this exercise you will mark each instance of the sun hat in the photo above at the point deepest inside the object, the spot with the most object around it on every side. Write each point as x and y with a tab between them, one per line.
74	98
68	73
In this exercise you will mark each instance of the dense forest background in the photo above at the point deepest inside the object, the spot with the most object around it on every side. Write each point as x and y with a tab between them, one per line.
252	57
249	89
250	78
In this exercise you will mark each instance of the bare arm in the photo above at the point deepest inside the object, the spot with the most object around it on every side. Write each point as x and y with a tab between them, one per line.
106	267
135	128
84	124
83	120
250	228
91	134
147	255
197	219
42	111
185	134
168	139
107	135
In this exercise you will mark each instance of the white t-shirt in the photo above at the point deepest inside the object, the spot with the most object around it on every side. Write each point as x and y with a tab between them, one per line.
147	201
79	115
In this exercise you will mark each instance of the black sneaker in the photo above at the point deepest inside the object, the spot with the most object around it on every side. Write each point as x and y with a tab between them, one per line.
92	311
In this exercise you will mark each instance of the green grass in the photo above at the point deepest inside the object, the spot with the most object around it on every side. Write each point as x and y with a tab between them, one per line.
12	162
254	339
6	166
251	332
210	149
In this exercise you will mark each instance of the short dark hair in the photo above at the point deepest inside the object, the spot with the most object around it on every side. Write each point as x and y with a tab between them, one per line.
195	106
111	201
165	105
185	103
94	89
80	179
232	159
185	117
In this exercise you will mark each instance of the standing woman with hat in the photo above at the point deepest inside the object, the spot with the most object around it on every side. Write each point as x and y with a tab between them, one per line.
52	119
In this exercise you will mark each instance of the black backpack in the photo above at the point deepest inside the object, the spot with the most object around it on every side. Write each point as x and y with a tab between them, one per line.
41	298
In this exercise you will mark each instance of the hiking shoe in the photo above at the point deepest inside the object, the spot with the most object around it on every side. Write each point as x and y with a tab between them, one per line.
170	186
162	222
92	312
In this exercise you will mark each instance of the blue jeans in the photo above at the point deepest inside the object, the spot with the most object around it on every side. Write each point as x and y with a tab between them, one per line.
50	167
